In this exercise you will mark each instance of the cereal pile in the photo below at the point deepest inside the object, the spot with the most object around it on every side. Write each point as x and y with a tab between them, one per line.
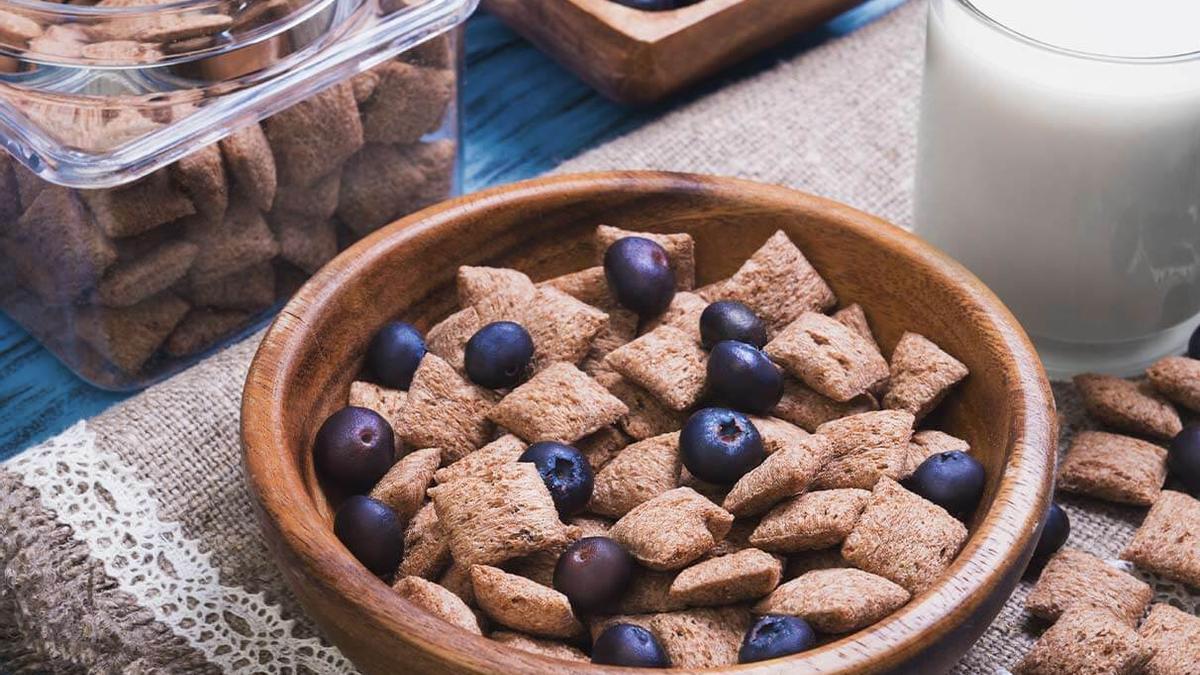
122	283
615	466
1095	608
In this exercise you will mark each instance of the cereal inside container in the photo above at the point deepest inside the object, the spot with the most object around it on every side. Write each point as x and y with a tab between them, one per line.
175	170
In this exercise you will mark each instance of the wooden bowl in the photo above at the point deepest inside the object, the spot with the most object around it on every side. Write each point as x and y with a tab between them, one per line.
314	350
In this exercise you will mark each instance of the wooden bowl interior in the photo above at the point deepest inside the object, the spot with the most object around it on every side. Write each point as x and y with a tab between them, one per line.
315	350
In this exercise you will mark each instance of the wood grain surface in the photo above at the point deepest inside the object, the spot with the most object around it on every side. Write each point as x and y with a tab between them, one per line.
315	347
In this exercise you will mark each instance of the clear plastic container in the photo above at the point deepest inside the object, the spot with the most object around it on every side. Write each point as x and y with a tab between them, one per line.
176	170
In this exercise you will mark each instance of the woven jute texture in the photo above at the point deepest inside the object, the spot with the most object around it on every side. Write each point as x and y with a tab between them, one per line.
128	544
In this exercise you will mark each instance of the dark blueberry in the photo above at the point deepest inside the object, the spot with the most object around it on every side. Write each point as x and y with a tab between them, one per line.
1183	458
773	636
498	355
1054	533
720	446
354	448
656	5
372	532
640	275
743	378
953	480
731	320
566	473
624	644
1194	344
394	354
593	573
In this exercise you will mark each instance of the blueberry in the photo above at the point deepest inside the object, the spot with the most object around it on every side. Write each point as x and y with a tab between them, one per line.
354	448
640	275
953	480
731	320
1183	458
743	378
656	5
498	355
624	644
720	446
773	636
372	532
593	573
1054	533
1194	344
394	354
566	473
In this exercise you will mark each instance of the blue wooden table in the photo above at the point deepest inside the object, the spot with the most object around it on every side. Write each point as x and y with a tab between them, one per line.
516	127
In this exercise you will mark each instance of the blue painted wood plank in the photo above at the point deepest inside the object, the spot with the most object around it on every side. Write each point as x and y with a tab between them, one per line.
523	115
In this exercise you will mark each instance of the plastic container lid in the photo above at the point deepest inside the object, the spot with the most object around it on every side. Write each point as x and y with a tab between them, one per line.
97	96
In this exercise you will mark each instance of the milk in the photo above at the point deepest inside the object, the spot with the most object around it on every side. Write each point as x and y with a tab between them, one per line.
1070	184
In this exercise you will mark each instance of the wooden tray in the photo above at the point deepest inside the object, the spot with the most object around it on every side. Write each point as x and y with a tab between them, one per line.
636	56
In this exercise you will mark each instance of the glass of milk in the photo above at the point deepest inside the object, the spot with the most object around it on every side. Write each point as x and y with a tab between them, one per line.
1060	162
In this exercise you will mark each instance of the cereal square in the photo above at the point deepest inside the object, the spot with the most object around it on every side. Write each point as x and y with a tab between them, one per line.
705	637
506	515
130	282
389	403
828	357
523	604
683	313
680	248
1073	577
667	362
315	136
1168	542
745	575
600	447
854	318
1174	637
808	410
201	176
539	646
807	561
1177	378
240	241
782	474
251	289
1126	406
865	447
480	463
426	550
457	580
589	285
649	592
929	442
248	155
637	474
836	600
903	537
445	411
129	336
672	530
1086	640
778	434
137	207
438	601
203	327
1113	467
407	103
496	293
403	487
647	415
779	284
561	403
448	337
921	376
562	327
810	522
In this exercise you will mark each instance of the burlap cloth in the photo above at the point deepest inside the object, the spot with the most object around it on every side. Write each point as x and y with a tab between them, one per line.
128	542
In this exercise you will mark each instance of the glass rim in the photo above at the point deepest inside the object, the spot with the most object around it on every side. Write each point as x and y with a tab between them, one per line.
1011	32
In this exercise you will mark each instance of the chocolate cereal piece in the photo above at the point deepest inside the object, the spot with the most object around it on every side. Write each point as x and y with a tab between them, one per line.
407	103
1177	378
448	338
683	313
680	248
131	282
562	327
808	410
647	415
201	176
479	464
649	592
506	515
426	550
921	375
836	600
903	537
138	207
1168	542
203	328
778	434
1086	640
782	474
667	362
383	182
318	201
1126	406
438	601
865	447
828	357
637	474
252	289
541	647
242	240
854	318
457	580
522	604
315	136
672	530
812	521
1112	467
252	164
403	487
305	242
600	447
704	637
389	403
929	442
745	575
1075	578
445	411
560	403
779	284
496	293
1174	637
589	285
129	336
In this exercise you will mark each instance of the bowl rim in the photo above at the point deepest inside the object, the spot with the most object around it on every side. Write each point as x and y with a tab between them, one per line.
995	554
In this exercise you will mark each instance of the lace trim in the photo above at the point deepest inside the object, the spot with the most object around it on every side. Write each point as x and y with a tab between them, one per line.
116	515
